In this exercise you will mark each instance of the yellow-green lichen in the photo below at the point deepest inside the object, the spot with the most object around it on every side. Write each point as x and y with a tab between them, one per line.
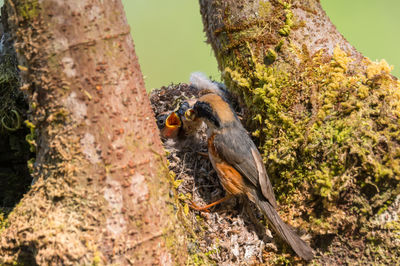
29	9
270	57
327	135
96	259
285	30
198	258
264	9
3	221
328	128
30	138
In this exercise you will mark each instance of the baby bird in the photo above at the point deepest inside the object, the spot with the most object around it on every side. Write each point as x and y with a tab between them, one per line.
175	125
239	165
169	125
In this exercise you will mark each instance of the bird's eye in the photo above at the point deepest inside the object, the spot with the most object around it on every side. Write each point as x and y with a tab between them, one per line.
160	121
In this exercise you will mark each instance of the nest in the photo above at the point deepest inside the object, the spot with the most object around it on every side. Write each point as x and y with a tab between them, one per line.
232	232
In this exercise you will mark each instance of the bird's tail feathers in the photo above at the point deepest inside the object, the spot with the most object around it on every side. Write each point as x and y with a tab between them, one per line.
301	248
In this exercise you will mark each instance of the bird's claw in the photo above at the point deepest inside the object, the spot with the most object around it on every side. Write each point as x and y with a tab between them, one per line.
197	208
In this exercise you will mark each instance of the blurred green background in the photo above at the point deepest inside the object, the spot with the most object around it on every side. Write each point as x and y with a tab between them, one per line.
170	41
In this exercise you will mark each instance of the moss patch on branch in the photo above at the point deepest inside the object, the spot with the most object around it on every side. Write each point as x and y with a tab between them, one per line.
330	137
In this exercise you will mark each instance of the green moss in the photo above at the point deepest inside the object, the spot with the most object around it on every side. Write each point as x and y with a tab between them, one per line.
285	30
30	138
395	226
3	221
328	130
279	45
96	258
198	258
29	10
282	260
327	135
270	57
264	8
180	210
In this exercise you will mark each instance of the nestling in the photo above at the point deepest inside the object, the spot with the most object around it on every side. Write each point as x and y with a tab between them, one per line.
176	125
169	125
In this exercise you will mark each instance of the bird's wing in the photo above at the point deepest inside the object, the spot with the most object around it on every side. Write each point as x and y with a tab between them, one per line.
238	150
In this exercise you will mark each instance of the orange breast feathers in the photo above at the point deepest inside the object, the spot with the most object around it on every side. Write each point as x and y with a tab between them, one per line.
230	179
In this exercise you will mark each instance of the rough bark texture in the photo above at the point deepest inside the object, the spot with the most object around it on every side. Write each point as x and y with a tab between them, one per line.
265	24
326	118
101	190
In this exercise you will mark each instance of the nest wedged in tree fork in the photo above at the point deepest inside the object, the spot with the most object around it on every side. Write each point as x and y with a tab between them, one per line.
234	231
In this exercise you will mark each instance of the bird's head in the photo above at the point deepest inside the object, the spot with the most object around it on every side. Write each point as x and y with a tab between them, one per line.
169	125
213	110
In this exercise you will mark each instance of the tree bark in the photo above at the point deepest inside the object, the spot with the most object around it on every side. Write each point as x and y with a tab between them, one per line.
102	190
266	24
327	120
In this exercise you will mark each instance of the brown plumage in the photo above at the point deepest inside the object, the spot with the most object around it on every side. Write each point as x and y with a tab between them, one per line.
239	165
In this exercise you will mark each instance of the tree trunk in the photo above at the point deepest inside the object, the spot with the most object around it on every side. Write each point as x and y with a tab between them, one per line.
102	190
326	117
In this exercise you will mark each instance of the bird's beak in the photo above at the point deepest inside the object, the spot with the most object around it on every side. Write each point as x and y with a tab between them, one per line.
190	115
172	125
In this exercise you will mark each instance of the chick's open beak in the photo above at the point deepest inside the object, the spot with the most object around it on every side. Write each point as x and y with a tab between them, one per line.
173	121
172	125
190	115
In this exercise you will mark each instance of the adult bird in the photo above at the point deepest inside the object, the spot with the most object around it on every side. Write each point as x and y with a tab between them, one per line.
239	165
